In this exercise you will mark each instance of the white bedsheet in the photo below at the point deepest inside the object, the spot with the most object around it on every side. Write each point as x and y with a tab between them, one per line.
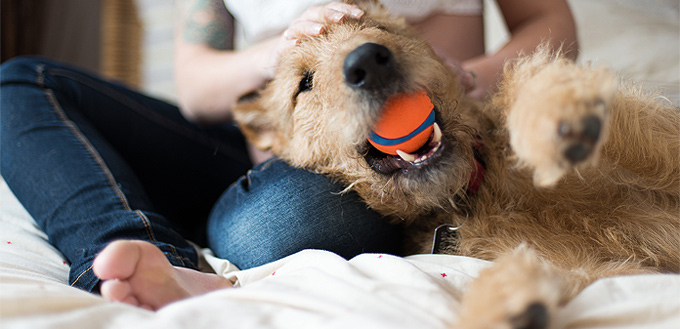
311	289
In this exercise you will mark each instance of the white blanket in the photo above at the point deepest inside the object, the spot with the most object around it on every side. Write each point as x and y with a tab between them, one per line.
311	289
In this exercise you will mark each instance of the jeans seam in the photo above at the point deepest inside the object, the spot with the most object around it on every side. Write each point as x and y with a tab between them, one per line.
90	149
81	274
176	254
140	109
41	71
147	224
182	259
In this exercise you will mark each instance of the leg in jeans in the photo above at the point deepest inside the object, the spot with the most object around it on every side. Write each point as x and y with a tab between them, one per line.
94	162
276	210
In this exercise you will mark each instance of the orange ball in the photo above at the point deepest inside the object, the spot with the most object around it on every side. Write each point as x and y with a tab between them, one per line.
405	124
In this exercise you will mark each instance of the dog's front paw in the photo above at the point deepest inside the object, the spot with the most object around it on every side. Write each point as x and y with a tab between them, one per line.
579	138
556	128
535	316
517	292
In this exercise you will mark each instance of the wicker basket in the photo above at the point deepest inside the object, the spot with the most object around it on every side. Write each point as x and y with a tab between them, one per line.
121	42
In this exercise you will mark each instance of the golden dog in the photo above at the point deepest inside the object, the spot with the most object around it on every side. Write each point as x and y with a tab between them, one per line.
564	176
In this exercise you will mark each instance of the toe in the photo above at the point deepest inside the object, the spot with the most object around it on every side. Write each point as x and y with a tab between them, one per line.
118	260
116	290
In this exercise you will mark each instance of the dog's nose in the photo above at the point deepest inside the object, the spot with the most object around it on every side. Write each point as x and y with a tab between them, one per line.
368	66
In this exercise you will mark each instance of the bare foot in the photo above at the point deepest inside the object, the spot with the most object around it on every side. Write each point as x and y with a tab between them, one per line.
137	273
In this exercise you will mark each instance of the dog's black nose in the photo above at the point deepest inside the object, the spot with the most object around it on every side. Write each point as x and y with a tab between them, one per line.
369	66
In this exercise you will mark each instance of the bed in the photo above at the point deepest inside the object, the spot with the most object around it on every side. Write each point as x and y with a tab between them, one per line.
318	289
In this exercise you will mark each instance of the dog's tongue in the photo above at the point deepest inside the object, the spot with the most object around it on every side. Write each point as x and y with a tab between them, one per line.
405	124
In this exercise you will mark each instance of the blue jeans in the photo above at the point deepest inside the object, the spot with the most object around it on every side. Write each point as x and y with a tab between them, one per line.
93	162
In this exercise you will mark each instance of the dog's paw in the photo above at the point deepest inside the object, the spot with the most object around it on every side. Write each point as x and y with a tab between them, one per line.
517	292
557	114
553	136
535	316
577	140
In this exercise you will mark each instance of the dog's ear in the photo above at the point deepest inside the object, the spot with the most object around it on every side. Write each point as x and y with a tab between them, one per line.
257	125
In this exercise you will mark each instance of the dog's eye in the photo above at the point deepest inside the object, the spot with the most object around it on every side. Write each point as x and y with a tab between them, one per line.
306	83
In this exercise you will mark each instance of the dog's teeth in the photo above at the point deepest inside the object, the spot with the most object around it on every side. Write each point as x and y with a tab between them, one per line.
406	156
437	134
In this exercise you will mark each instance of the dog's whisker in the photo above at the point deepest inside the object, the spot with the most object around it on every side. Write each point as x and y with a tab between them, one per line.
360	155
577	171
414	44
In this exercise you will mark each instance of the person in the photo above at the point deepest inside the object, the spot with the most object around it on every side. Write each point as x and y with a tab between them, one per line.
120	181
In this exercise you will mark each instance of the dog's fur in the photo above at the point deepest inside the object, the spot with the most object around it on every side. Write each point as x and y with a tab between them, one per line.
581	179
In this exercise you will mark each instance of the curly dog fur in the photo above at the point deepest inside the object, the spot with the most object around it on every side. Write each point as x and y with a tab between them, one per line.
581	171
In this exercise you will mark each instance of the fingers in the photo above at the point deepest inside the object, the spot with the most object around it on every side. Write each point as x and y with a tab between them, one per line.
467	79
333	12
313	20
311	23
299	29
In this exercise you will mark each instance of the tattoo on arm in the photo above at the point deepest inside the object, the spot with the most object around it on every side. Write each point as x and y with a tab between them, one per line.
206	22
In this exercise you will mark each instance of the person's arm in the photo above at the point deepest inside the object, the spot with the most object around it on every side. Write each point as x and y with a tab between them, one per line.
455	38
530	23
210	78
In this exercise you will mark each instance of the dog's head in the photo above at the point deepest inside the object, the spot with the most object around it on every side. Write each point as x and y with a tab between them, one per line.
329	92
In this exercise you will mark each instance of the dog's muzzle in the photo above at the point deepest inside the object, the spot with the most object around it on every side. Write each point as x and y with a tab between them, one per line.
369	66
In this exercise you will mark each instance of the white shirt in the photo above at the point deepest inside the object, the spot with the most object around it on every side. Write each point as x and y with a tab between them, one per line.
257	20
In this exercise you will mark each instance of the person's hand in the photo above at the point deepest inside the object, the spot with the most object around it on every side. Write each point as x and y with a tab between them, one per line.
467	79
313	20
311	23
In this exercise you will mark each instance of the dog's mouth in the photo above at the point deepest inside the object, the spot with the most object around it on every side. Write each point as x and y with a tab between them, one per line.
388	164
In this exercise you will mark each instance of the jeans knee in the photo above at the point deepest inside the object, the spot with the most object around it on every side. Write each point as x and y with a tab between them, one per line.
22	69
285	210
22	72
20	79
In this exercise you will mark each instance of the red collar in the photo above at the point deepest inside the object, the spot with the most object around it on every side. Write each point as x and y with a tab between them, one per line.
478	167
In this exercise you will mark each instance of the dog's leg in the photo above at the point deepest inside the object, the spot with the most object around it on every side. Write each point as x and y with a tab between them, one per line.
518	291
522	291
557	114
562	116
643	150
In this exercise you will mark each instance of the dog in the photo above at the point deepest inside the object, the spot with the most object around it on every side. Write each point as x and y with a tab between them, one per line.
566	175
